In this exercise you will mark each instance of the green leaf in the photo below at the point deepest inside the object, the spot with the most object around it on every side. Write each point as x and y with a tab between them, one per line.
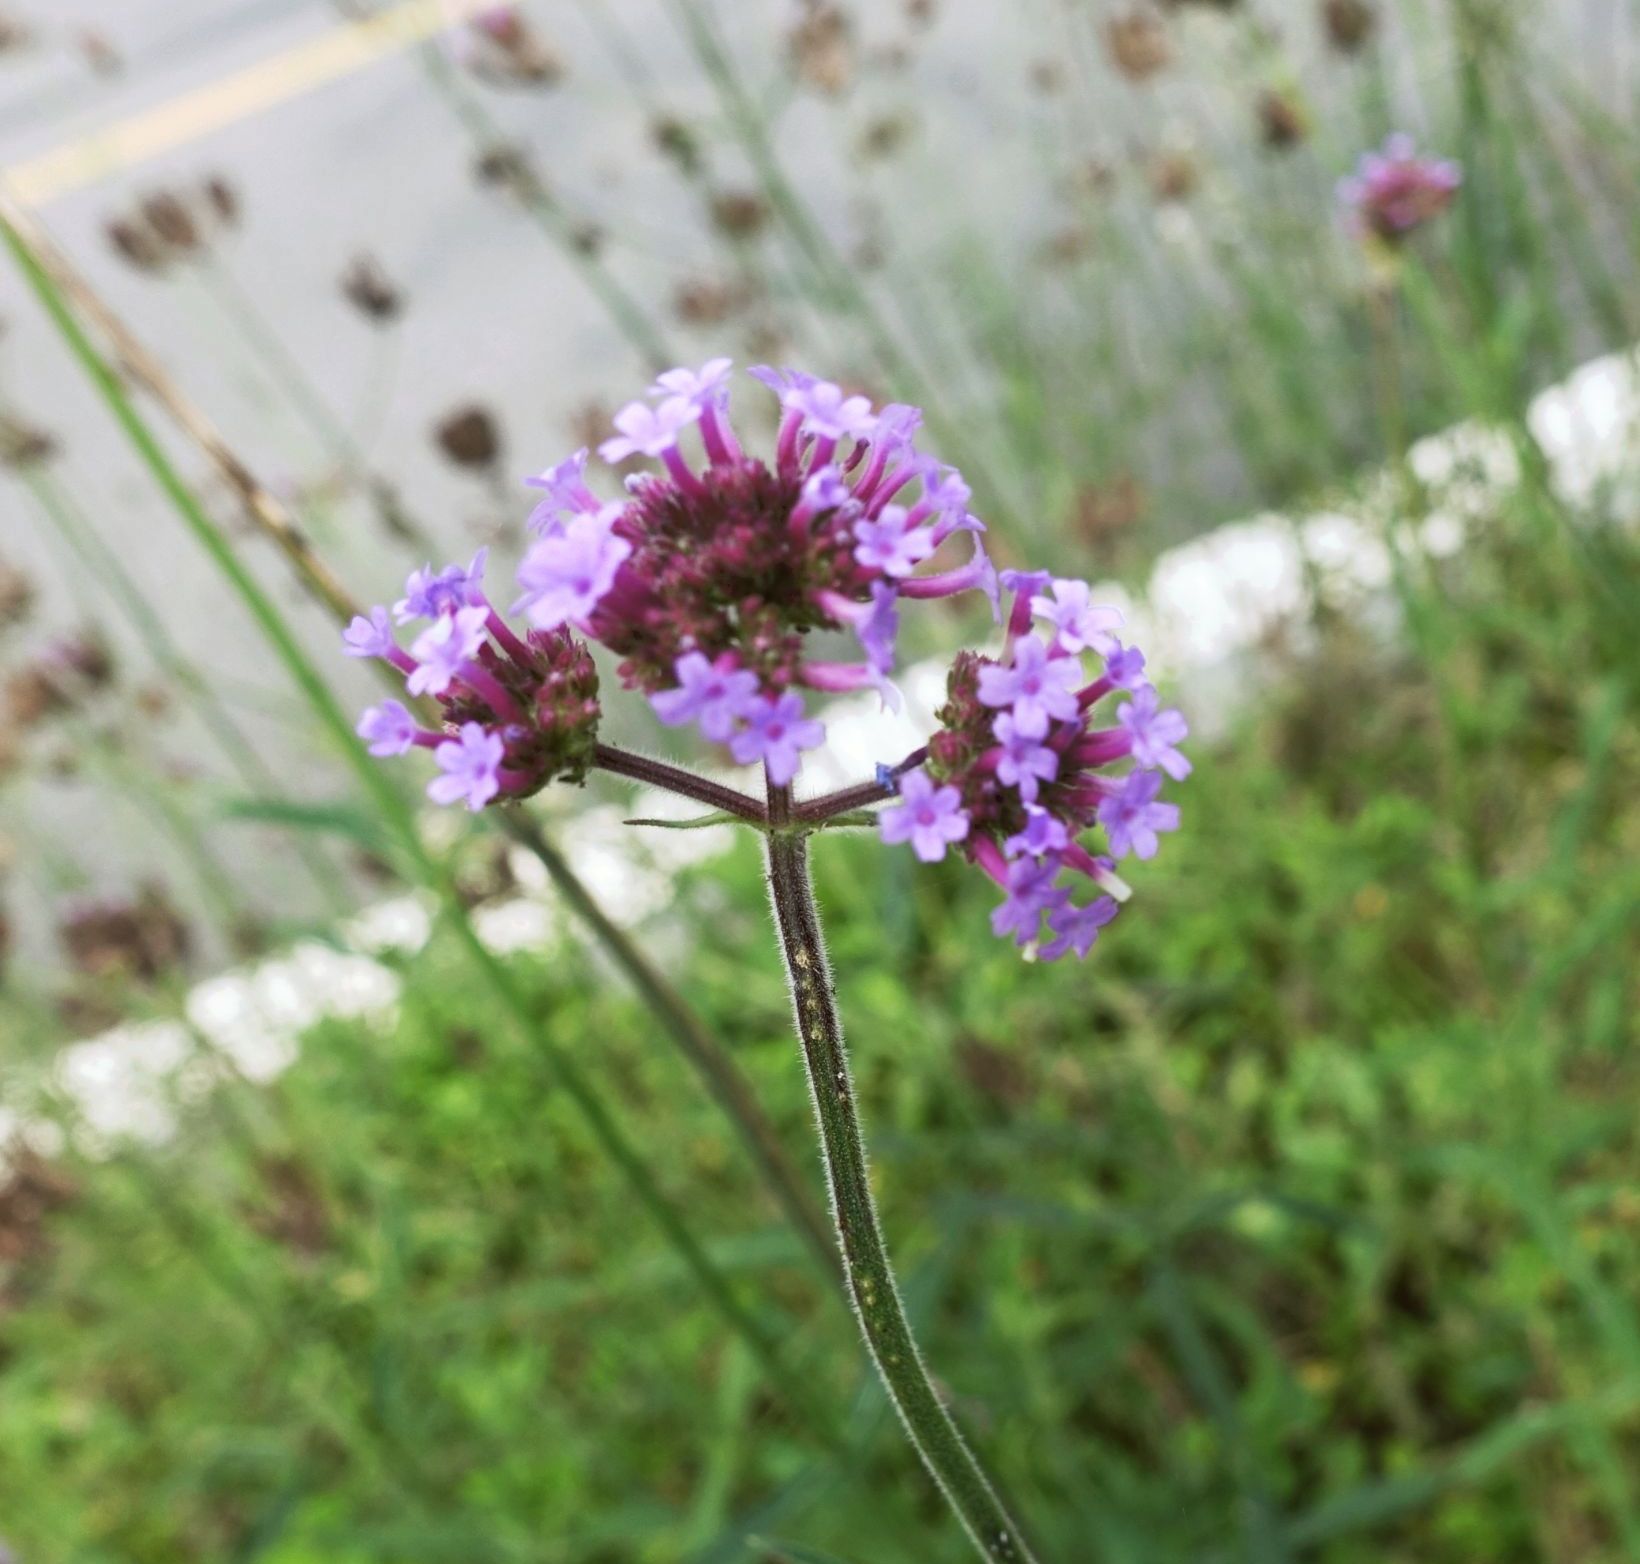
334	819
792	1552
699	823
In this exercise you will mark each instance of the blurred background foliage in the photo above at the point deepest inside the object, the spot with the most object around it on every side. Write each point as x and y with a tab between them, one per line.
1298	1224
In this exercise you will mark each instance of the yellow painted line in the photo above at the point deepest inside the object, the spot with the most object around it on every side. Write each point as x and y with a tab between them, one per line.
265	85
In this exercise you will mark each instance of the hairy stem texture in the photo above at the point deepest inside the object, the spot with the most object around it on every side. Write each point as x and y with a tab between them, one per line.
870	1277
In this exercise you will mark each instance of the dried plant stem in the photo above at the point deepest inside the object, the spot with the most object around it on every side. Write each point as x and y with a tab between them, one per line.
397	816
623	307
71	524
871	1283
704	1052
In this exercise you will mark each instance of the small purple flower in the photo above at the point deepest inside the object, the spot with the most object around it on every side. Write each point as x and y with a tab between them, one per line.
566	491
649	431
1154	732
1031	892
714	694
1080	625
1024	761
780	381
1076	928
699	386
567	573
387	728
429	593
1025	582
894	429
827	413
1125	667
1394	192
949	495
1132	817
471	765
891	543
1043	833
878	627
825	491
928	817
442	648
372	637
1036	687
776	730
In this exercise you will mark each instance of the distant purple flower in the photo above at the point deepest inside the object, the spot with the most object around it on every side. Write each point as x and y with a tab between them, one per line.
443	647
387	728
776	730
1035	687
649	431
566	491
372	637
471	765
1031	892
1025	762
1154	731
429	593
567	573
699	386
1132	817
1043	833
928	817
714	694
1079	624
1076	928
828	413
1394	191
891	543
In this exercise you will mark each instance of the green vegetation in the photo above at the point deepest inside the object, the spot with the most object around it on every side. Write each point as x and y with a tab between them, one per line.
1301	1223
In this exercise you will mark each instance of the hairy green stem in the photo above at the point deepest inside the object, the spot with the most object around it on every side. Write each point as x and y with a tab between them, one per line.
871	1283
674	779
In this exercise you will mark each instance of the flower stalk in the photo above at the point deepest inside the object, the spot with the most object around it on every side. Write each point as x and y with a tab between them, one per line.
871	1284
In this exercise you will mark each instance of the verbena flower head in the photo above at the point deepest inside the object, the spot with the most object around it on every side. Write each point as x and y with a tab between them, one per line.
708	578
1393	192
706	582
1020	775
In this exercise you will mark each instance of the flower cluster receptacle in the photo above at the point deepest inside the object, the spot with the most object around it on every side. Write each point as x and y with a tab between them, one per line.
519	710
1018	774
1394	192
706	580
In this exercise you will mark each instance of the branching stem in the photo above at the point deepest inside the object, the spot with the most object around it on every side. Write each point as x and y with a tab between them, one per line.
674	779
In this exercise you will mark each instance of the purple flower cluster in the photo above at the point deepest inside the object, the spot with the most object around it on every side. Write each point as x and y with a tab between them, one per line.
705	582
707	578
1017	773
519	711
1394	191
